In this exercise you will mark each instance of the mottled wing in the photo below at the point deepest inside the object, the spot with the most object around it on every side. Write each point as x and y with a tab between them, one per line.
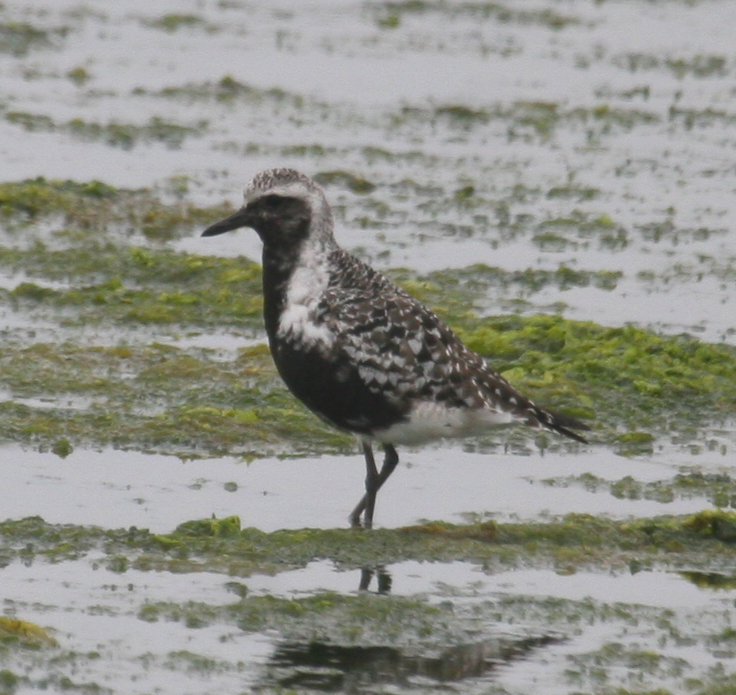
405	352
401	348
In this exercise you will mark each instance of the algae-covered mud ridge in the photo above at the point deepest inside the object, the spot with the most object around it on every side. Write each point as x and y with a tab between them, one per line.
554	179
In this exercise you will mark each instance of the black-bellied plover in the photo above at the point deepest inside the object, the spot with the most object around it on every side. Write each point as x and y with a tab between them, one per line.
356	349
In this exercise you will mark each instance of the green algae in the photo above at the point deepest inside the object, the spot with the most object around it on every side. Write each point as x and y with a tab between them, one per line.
160	398
528	121
20	38
596	665
79	76
228	90
139	286
23	633
567	544
35	197
642	371
718	489
460	296
115	134
691	118
343	178
573	192
698	66
388	14
579	230
228	527
417	623
323	616
81	211
171	23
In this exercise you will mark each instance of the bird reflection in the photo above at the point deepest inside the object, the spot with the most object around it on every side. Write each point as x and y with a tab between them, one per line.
383	579
352	669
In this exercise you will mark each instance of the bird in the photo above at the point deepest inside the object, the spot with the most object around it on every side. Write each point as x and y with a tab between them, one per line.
359	351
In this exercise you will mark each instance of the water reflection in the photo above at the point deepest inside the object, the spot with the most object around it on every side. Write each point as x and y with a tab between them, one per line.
352	669
383	579
710	580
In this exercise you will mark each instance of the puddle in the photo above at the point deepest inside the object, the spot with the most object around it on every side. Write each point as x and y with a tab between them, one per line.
113	488
467	582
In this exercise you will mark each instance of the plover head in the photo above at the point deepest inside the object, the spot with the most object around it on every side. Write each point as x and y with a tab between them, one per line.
284	207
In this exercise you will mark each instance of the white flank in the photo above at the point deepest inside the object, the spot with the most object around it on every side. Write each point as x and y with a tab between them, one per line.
429	421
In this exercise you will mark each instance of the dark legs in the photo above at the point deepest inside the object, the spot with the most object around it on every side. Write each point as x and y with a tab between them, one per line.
373	482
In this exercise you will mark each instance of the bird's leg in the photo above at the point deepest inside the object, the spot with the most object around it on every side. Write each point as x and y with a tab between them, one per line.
371	487
373	483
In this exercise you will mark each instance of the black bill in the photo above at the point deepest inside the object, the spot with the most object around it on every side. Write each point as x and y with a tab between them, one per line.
235	221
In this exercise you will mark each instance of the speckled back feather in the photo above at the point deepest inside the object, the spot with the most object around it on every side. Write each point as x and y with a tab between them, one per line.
404	351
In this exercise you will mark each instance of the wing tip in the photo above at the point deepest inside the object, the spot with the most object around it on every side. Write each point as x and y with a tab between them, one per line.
564	425
567	432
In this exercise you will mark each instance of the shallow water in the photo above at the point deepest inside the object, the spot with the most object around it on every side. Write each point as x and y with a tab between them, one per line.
596	136
96	615
121	489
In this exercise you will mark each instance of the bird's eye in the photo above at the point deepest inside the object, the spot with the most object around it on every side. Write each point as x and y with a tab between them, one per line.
274	201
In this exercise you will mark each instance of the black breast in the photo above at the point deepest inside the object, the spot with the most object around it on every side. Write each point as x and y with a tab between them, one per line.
326	380
333	389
